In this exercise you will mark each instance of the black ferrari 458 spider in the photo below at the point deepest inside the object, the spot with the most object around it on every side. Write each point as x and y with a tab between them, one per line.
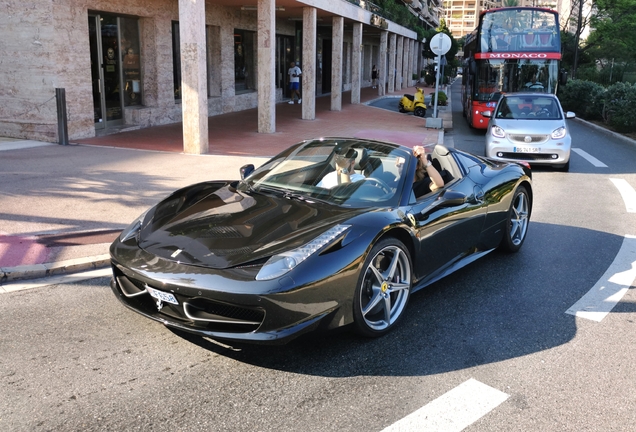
326	234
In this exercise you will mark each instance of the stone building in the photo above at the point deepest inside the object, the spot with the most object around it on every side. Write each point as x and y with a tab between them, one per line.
129	64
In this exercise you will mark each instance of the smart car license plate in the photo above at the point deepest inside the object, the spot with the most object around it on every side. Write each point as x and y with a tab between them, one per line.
163	296
527	149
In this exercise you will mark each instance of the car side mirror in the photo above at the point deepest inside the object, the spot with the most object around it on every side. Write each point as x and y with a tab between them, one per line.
487	114
447	198
246	170
452	199
570	115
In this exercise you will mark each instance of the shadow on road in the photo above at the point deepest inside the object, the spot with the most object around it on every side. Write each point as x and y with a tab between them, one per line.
500	307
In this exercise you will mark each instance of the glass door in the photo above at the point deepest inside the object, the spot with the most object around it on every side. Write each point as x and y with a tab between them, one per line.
106	70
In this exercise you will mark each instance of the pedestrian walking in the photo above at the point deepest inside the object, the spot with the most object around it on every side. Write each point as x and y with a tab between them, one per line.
294	73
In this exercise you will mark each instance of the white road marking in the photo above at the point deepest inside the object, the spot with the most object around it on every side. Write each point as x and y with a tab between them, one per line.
611	287
627	192
591	159
453	411
55	280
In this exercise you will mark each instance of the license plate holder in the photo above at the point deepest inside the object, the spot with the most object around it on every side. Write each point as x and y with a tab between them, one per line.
526	149
163	296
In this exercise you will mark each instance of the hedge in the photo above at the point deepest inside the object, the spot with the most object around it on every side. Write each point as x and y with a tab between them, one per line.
614	105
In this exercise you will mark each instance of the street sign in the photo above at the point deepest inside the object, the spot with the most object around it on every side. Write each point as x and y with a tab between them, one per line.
440	43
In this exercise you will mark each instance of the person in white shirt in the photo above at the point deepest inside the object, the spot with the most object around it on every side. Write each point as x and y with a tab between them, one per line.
344	172
294	73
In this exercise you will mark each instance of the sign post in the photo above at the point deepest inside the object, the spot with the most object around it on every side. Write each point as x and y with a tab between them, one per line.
440	45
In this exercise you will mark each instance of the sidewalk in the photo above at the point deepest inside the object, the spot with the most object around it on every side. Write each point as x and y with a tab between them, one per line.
62	206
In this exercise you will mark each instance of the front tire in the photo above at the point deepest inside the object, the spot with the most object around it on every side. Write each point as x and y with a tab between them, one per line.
517	221
420	112
383	290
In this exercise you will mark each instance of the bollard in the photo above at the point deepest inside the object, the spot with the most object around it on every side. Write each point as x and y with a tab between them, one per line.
62	126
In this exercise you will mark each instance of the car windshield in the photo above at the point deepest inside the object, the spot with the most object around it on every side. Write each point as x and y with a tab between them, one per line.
307	171
528	108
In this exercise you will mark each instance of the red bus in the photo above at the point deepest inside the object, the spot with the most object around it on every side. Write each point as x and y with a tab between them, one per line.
512	49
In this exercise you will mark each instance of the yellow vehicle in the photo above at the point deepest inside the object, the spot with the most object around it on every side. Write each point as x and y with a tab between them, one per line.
413	103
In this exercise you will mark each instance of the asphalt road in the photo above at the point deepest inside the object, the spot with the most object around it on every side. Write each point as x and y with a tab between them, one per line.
73	358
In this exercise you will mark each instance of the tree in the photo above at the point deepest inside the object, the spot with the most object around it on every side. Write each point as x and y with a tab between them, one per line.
613	35
614	30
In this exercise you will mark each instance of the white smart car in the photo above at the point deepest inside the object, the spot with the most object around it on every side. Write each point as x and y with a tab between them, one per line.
529	127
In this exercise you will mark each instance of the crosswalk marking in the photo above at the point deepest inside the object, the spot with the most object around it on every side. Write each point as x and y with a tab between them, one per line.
591	159
611	287
54	280
453	411
627	192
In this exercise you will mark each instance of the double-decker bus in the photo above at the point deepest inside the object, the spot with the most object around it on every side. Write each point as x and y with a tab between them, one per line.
512	49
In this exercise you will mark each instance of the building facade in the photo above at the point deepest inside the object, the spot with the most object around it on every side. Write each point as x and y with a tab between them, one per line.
129	64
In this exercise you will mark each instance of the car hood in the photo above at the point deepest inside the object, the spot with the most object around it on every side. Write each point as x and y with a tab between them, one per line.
529	127
214	225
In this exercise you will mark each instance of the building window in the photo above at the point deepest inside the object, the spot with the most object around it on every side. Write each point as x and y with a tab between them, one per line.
176	60
244	64
129	47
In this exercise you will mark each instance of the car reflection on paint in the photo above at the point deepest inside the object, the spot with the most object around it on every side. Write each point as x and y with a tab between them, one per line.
274	255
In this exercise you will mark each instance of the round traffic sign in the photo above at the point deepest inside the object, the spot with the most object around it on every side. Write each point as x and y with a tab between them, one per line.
440	43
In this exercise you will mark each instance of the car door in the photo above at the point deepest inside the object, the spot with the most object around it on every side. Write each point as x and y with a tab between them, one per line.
448	224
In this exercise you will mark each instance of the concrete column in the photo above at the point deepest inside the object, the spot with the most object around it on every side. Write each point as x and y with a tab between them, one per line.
405	65
369	61
411	61
398	63
356	63
382	73
347	64
337	41
309	63
392	56
418	59
194	88
266	42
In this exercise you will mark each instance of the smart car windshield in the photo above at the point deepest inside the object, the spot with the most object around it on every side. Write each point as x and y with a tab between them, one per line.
346	172
528	108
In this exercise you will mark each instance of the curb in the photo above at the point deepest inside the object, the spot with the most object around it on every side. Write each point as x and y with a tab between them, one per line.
38	271
605	131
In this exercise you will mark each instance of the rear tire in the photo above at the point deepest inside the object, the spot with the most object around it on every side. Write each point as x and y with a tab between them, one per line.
517	222
383	290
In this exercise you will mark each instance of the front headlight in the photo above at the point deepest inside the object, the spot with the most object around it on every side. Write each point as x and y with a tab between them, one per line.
282	263
133	229
559	133
497	132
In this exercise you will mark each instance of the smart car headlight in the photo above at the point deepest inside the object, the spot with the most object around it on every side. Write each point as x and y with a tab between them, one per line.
133	229
559	133
282	263
498	132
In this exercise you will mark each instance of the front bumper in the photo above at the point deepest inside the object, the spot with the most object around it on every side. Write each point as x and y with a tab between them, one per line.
549	152
230	304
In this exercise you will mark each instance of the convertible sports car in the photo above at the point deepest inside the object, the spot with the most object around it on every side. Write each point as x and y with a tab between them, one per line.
274	255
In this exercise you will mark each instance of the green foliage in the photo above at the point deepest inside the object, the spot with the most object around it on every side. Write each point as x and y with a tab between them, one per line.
582	97
442	99
615	106
400	14
614	30
619	110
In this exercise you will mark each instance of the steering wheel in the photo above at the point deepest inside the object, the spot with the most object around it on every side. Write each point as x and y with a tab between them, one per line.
543	113
379	183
